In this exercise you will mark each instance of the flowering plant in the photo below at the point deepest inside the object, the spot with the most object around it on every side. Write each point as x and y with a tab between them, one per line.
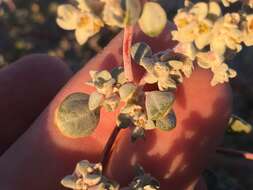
205	36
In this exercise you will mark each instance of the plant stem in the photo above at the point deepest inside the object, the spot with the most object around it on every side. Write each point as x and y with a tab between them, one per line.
236	153
108	147
127	43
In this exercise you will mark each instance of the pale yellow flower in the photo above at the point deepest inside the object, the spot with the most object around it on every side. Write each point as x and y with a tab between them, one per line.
248	30
222	73
215	62
113	14
81	19
226	34
194	25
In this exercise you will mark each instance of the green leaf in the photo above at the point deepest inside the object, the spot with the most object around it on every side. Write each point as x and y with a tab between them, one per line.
127	91
158	104
140	50
74	118
153	19
95	100
167	123
132	10
238	125
111	103
119	75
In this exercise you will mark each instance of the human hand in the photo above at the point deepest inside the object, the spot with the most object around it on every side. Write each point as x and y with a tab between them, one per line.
42	156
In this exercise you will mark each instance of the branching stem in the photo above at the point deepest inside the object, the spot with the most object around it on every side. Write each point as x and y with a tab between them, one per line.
108	147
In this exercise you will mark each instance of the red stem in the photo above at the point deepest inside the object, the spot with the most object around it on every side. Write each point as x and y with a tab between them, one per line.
127	43
108	147
237	153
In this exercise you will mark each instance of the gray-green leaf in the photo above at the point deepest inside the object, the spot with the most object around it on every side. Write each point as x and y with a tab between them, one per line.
158	104
74	118
127	91
167	123
153	19
132	10
95	100
140	50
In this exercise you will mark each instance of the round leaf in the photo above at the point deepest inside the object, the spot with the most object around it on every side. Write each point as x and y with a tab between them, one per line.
158	104
74	118
153	19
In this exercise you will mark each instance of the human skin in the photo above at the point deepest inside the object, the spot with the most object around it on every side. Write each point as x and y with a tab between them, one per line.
27	86
43	156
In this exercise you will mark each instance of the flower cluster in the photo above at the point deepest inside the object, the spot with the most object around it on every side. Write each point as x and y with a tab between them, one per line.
143	111
87	17
165	68
88	176
205	34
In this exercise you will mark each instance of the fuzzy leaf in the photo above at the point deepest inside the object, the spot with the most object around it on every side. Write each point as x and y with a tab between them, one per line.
119	75
238	125
127	91
167	123
158	104
132	10
74	118
95	100
111	103
140	50
153	19
69	181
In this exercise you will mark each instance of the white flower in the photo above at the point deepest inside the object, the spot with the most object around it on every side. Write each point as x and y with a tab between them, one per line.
248	30
113	14
222	73
226	33
194	26
81	19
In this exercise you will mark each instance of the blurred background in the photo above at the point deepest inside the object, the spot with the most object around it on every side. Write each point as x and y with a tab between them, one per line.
28	26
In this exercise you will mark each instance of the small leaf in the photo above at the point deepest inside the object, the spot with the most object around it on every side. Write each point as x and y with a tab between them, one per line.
111	103
153	19
95	100
150	125
74	118
140	50
158	104
119	75
137	133
123	121
167	123
69	181
132	10
238	125
127	91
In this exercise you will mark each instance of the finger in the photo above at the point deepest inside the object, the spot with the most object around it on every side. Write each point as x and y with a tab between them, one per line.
43	156
25	92
177	158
